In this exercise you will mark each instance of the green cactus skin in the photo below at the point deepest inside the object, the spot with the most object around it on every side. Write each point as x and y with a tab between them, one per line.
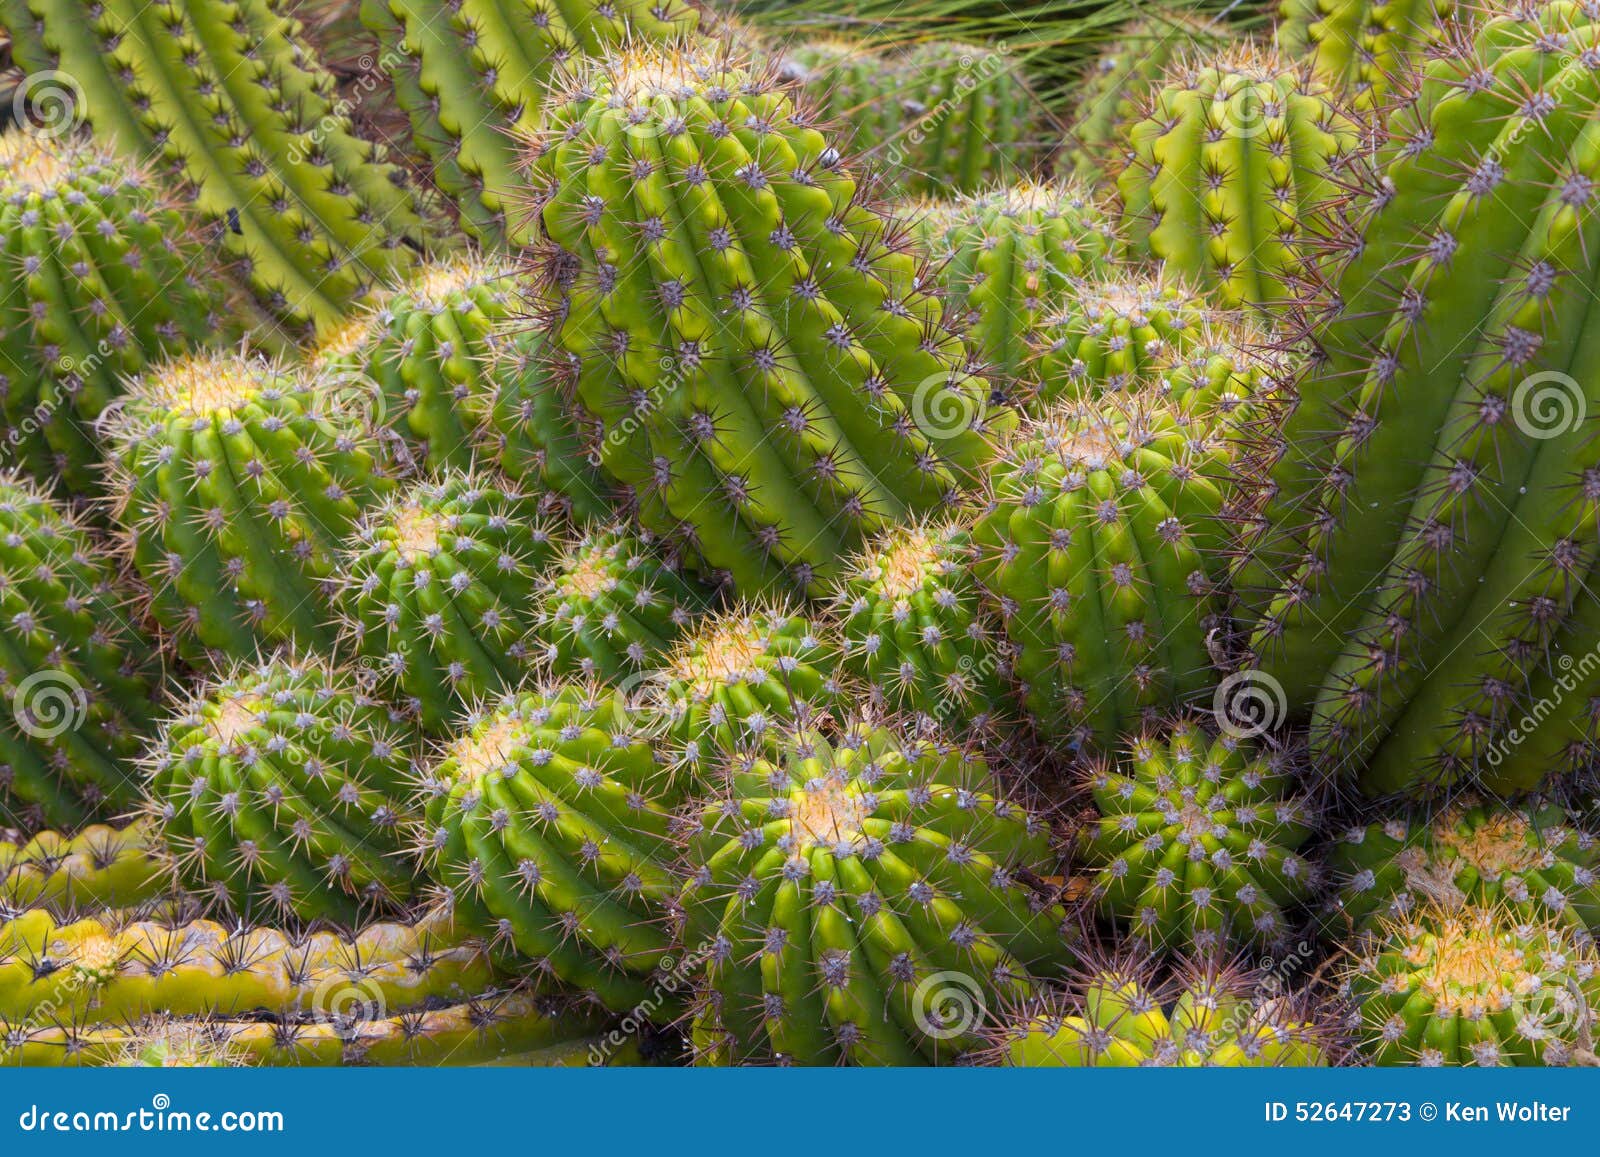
1420	562
474	78
1205	1017
549	825
282	789
490	1029
1365	49
228	94
439	593
846	885
1097	544
1232	174
78	677
941	117
612	607
1532	862
738	676
1117	86
912	626
1009	256
1474	987
767	373
98	867
237	483
1195	842
105	970
99	276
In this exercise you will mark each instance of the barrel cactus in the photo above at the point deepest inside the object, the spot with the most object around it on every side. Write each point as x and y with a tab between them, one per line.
765	369
1535	862
1419	565
864	897
475	80
1365	49
233	100
1473	986
79	678
100	275
438	589
282	788
1195	841
1233	175
237	482
549	825
1100	545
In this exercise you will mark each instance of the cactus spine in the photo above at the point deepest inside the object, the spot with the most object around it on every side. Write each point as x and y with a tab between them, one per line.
1365	49
98	867
766	373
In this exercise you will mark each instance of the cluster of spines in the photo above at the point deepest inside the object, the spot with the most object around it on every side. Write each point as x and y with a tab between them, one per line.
96	867
1365	49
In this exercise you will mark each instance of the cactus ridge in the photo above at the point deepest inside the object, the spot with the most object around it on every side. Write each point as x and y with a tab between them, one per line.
1364	49
97	867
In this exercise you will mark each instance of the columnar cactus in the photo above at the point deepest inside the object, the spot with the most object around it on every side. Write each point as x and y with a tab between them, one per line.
99	276
1419	571
1099	544
611	606
912	627
1195	841
1474	986
438	591
1534	862
864	897
1008	257
476	78
97	867
1206	1016
1365	49
78	676
939	117
282	789
234	101
765	369
549	824
1232	175
237	482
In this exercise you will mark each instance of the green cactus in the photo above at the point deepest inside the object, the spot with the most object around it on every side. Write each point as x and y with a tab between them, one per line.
1426	527
1009	257
1195	840
549	825
912	627
282	789
439	589
1117	85
1100	544
1233	174
736	677
612	607
99	275
105	970
79	678
1365	49
861	897
1204	1017
230	97
1474	986
1533	862
237	482
766	372
475	78
98	867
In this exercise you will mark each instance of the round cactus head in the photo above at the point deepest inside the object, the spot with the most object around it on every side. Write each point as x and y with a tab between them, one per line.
864	896
1473	986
